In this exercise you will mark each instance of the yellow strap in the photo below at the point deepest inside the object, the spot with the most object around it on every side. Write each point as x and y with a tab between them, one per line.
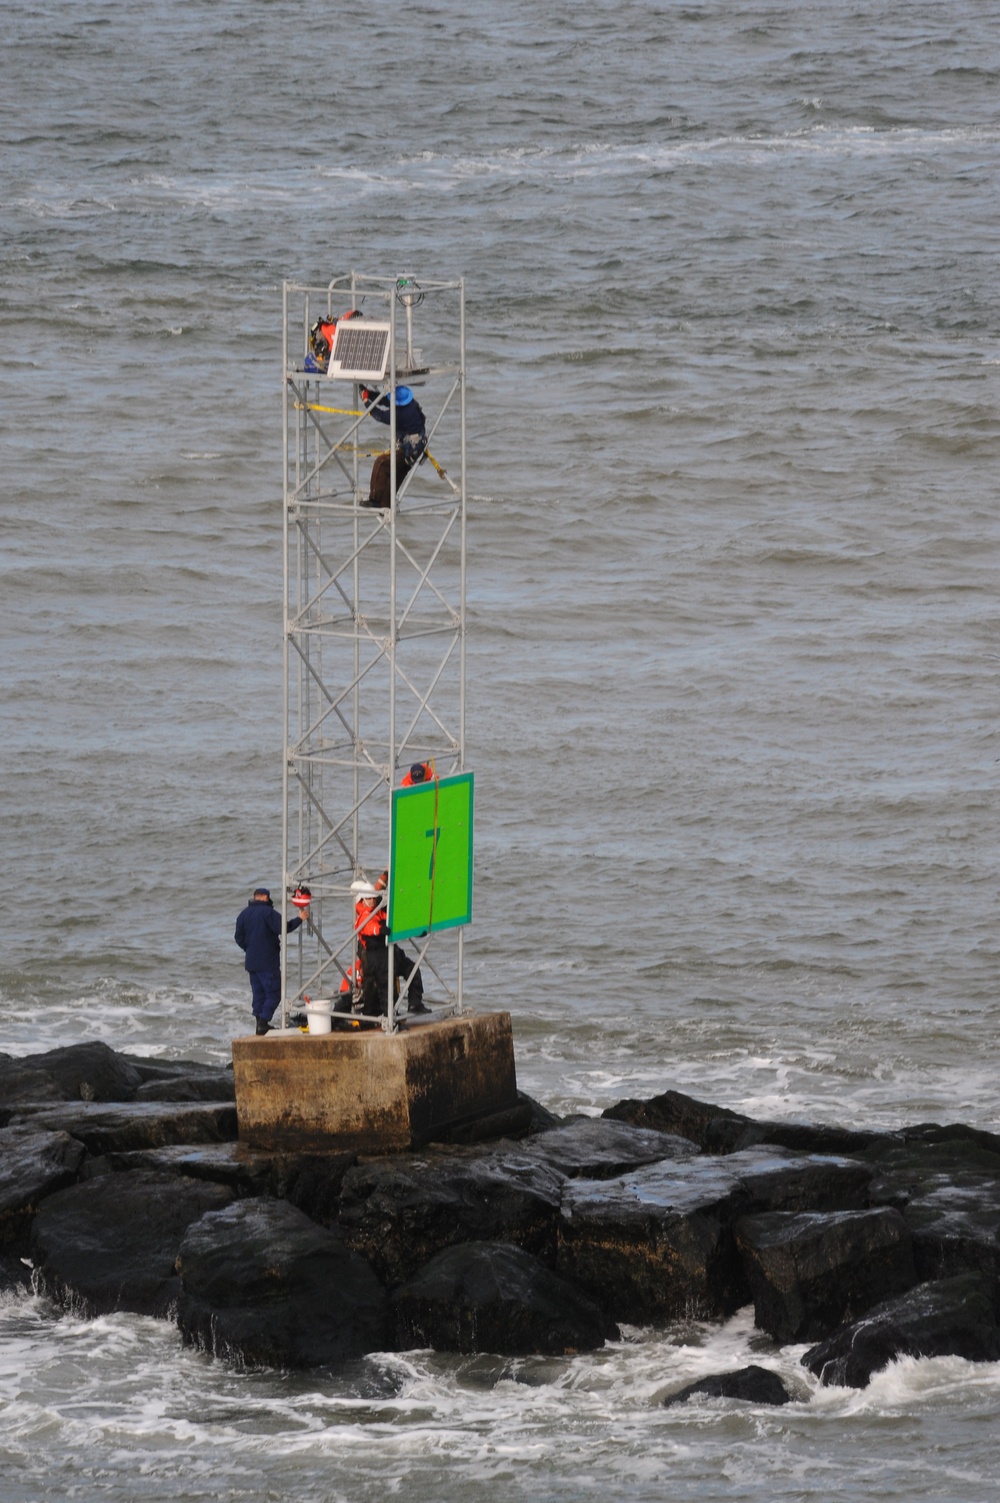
351	412
317	407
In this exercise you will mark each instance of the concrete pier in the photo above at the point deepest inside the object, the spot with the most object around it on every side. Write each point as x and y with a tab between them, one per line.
372	1092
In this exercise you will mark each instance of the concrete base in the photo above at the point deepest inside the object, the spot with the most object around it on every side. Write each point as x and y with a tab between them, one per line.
369	1091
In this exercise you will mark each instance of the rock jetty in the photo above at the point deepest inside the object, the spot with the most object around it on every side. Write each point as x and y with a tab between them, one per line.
123	1187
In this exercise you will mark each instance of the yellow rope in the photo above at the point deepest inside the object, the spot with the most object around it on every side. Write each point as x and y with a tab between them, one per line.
316	407
351	412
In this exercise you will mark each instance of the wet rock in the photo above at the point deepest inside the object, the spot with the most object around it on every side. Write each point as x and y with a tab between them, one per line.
207	1085
311	1181
658	1243
904	1167
594	1148
717	1130
753	1384
136	1124
947	1318
924	1177
265	1286
935	1134
512	1122
806	1137
15	1276
810	1273
398	1212
33	1165
779	1179
673	1112
111	1243
172	1069
78	1072
494	1297
541	1118
946	1183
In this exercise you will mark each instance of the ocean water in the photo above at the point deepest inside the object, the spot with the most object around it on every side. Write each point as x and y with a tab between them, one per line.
734	661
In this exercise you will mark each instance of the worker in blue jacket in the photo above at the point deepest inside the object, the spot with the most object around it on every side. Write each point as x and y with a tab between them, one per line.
411	440
258	934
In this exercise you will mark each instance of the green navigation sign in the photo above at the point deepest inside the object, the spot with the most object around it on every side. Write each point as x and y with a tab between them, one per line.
430	870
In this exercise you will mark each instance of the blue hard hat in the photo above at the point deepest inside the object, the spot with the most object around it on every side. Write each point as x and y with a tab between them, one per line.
403	396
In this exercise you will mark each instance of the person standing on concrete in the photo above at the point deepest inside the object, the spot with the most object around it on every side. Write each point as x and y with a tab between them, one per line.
258	934
372	930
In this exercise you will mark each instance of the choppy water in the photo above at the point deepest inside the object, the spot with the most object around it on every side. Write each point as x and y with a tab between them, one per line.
734	348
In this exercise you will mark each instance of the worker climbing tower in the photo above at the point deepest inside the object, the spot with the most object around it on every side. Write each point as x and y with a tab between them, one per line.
374	608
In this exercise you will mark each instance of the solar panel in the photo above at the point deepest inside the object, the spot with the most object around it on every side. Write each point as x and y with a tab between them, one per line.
360	350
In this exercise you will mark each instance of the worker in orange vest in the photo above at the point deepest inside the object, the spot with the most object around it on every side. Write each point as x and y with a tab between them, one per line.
420	772
372	930
350	986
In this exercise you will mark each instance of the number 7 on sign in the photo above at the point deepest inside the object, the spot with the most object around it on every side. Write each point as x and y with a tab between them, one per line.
433	836
430	856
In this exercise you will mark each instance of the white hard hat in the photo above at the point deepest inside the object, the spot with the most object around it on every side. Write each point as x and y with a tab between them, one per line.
362	889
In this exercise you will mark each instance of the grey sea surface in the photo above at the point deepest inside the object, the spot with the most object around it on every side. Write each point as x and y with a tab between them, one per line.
734	662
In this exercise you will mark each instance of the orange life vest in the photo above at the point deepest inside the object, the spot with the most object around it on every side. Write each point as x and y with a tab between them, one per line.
428	776
369	924
353	977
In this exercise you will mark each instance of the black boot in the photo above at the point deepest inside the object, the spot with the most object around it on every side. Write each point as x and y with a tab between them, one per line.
262	1027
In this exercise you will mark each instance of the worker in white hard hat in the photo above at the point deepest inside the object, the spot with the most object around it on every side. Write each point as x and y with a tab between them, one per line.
372	929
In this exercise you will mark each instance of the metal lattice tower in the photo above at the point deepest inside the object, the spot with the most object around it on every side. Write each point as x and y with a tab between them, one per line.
374	659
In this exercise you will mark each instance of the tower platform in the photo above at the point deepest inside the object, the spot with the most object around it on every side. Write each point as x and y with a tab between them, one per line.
366	1091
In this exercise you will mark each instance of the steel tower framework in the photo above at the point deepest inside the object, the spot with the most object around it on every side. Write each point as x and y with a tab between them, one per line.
374	607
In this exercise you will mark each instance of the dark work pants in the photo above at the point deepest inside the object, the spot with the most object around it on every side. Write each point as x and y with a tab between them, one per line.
375	979
379	490
266	988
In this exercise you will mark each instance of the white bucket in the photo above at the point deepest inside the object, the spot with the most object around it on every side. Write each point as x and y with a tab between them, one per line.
318	1016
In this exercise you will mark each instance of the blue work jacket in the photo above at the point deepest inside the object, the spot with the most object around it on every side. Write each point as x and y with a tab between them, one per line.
258	934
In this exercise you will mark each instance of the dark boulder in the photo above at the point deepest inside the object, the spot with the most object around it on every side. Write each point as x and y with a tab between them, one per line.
658	1243
594	1148
673	1112
514	1121
753	1385
948	1318
219	1085
111	1243
779	1179
805	1137
937	1134
33	1165
811	1272
172	1069
905	1167
542	1120
137	1124
946	1183
265	1286
398	1212
78	1072
311	1181
956	1229
716	1129
15	1276
493	1297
